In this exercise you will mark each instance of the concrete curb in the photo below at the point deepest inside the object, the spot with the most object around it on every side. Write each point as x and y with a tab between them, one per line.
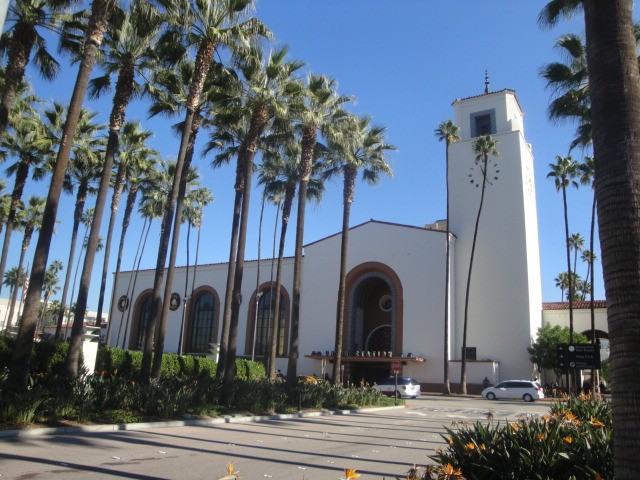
34	432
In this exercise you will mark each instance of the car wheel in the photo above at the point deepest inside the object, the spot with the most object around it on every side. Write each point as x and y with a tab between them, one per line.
491	396
527	398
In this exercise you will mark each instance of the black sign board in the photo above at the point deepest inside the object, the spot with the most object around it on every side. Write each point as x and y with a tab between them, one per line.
583	356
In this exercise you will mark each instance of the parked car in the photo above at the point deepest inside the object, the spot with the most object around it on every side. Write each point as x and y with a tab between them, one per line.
526	390
407	387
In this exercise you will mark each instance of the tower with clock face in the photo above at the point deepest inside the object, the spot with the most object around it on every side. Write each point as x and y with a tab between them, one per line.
505	292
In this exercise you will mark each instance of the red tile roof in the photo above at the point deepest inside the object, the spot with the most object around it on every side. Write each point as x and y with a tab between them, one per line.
578	305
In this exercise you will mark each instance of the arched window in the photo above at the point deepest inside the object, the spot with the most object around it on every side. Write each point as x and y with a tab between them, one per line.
266	306
202	323
143	321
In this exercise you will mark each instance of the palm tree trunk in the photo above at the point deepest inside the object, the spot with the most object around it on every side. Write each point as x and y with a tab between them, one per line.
22	173
18	57
81	197
348	193
308	146
122	96
131	201
186	289
132	290
247	153
158	348
271	349
115	203
463	367
614	83
203	61
447	274
14	292
253	345
590	278
19	371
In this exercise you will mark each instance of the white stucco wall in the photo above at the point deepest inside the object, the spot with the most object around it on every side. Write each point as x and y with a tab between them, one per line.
415	255
215	276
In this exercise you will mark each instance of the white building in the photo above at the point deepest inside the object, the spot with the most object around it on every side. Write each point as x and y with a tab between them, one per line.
395	281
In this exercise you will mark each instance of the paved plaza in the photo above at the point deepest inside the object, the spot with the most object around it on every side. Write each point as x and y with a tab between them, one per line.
381	443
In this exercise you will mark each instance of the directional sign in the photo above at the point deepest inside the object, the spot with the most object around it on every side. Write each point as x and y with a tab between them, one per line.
583	356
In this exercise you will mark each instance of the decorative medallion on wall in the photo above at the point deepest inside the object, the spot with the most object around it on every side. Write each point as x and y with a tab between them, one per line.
385	303
174	303
123	303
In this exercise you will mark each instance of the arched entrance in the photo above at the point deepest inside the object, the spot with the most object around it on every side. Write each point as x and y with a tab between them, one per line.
373	326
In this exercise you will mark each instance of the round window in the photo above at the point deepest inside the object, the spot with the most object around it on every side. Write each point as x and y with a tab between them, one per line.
385	303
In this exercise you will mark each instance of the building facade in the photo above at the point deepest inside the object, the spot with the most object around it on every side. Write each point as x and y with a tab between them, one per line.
395	285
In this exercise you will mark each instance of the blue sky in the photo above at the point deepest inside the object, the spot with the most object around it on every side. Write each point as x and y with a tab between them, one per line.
405	62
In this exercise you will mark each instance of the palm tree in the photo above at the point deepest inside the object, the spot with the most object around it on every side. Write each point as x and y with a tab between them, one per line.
206	26
576	243
129	46
30	220
483	147
315	107
563	173
84	169
129	55
268	80
50	287
570	84
13	281
30	145
28	19
562	282
133	157
141	160
19	371
354	145
450	133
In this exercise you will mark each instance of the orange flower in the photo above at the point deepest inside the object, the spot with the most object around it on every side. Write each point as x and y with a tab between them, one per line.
541	436
514	426
595	422
450	440
483	447
470	446
449	472
568	440
350	473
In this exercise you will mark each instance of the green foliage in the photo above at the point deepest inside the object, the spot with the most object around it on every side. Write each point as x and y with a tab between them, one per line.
248	370
573	442
258	396
49	356
6	347
117	416
543	351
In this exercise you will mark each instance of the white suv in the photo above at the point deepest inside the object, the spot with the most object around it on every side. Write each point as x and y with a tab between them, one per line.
527	390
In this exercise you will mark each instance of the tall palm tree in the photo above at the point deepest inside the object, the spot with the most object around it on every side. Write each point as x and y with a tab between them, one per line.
50	286
313	108
29	19
563	172
130	55
205	26
282	159
29	144
19	371
483	147
30	220
133	156
84	169
448	132
268	81
355	145
144	160
587	173
562	282
129	43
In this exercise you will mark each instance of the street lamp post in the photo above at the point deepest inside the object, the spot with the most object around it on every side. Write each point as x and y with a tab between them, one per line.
255	326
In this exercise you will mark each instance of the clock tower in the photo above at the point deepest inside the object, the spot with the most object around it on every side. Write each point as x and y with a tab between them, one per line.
505	299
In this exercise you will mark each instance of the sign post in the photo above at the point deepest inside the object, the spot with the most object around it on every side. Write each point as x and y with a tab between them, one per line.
395	367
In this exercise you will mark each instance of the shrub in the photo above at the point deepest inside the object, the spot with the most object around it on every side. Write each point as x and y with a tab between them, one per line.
575	441
49	356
